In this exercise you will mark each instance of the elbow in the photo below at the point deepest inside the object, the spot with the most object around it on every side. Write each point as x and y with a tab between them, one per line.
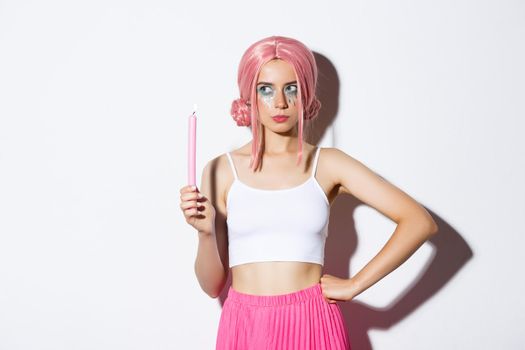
215	291
213	295
425	225
435	228
428	223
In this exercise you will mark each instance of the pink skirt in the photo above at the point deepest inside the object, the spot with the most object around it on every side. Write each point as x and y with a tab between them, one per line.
300	320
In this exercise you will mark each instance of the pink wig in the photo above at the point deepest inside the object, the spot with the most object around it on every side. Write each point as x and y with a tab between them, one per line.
303	62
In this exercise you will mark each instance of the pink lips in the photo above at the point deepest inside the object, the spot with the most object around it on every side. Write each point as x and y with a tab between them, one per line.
280	118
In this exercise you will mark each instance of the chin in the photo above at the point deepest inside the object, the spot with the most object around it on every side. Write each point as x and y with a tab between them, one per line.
285	129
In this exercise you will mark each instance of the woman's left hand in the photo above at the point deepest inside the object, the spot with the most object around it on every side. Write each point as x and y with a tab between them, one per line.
335	288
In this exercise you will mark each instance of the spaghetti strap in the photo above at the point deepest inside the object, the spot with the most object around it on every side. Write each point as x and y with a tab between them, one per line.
316	160
232	165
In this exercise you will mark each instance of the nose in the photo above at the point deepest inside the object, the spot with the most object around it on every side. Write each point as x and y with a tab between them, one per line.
280	101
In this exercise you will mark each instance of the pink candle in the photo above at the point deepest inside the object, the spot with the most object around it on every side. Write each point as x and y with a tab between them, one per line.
192	129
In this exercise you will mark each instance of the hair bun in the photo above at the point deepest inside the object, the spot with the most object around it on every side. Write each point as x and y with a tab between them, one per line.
312	110
240	112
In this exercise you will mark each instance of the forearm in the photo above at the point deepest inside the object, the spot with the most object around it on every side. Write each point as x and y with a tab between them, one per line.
208	265
408	236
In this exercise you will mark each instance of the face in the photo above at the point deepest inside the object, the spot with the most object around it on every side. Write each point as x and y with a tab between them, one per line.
277	94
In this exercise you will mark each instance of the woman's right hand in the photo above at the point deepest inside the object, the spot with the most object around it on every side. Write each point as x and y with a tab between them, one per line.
197	209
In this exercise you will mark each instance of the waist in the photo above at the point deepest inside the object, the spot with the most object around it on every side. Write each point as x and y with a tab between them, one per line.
314	291
275	277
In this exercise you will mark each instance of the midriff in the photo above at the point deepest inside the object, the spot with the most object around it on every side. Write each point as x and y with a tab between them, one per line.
275	277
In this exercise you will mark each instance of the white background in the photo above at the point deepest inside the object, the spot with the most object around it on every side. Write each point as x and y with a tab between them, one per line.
94	99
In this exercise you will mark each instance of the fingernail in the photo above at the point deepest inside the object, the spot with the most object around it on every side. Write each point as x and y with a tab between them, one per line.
200	195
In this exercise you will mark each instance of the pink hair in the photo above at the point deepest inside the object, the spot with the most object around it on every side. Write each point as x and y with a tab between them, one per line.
303	62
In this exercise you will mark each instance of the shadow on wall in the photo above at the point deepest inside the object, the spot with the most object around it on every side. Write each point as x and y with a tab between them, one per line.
451	252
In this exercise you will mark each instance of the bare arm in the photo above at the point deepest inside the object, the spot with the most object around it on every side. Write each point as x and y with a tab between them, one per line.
211	263
414	224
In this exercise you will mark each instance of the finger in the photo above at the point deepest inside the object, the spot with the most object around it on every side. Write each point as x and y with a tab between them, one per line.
190	204
191	212
188	188
185	189
191	196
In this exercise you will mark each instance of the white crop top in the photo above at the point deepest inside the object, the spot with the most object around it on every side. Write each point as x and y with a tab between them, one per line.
288	224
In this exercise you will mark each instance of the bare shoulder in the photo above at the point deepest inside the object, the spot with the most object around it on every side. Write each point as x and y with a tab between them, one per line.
341	167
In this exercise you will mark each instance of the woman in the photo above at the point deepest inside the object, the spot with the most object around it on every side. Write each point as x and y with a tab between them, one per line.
262	210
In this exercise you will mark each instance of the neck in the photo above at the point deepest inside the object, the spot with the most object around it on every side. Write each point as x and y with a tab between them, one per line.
275	144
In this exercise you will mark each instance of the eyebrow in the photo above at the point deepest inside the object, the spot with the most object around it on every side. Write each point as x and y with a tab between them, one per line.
265	83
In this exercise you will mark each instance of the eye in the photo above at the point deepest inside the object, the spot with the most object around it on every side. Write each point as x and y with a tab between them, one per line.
265	90
291	89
